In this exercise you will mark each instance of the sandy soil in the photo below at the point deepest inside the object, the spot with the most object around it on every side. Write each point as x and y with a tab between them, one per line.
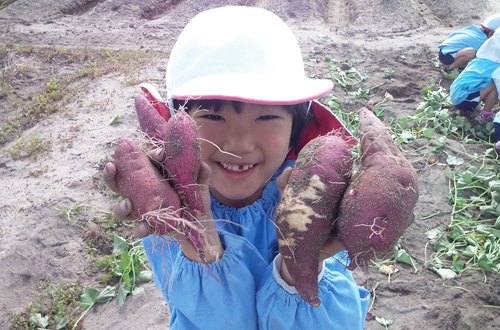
37	242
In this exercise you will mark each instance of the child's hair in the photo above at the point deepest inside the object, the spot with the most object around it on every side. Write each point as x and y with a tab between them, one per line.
300	114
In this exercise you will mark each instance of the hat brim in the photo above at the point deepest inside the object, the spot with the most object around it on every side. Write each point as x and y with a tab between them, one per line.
254	89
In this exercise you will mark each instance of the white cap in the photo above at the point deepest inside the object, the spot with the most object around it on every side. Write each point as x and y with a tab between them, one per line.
240	53
492	22
491	48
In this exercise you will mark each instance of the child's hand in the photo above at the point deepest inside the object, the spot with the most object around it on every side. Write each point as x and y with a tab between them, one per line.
123	211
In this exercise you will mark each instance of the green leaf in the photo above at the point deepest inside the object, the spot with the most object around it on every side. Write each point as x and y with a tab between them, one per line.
124	261
454	160
126	277
490	152
60	322
145	276
403	256
88	298
388	73
452	75
123	291
115	120
434	233
448	174
445	273
106	295
407	136
39	321
383	321
139	291
497	223
470	251
439	143
457	266
119	244
377	112
428	132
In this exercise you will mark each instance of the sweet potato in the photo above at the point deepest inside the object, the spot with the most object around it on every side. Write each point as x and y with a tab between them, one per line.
378	205
180	139
183	159
150	120
183	162
153	199
308	207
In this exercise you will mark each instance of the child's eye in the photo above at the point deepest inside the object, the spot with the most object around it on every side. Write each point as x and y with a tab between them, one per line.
212	117
268	117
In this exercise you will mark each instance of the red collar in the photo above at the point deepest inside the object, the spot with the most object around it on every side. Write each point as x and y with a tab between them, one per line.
326	122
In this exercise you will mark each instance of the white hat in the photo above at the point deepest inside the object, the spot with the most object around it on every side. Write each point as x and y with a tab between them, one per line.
240	53
491	48
492	23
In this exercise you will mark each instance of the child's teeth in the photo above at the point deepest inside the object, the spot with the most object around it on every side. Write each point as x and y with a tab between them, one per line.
236	168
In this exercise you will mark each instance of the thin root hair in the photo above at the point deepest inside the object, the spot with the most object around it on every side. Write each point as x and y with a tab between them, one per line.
222	151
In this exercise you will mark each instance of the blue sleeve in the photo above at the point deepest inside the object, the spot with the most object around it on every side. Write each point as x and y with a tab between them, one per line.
471	36
343	304
195	297
476	76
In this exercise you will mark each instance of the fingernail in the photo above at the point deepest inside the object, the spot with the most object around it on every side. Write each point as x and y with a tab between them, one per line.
106	168
124	205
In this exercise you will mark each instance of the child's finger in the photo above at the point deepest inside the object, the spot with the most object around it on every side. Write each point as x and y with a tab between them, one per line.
283	178
108	175
141	230
157	154
203	182
123	210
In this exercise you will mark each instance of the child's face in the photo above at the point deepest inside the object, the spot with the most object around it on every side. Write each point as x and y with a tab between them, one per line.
259	135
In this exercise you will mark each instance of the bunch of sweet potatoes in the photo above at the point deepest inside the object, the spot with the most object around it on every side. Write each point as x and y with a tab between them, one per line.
307	210
368	211
169	201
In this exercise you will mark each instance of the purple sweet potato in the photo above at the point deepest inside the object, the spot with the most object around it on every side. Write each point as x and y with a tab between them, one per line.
180	139
377	207
308	208
183	160
153	199
150	120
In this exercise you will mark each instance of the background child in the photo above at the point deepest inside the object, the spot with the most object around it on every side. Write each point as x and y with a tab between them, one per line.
242	70
460	47
476	84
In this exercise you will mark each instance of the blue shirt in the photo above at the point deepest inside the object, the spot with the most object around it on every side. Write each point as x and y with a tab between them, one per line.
252	295
471	36
475	76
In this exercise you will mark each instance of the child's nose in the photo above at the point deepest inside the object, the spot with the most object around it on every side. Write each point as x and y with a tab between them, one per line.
239	140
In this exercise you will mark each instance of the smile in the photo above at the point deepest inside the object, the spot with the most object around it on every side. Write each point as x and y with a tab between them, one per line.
236	168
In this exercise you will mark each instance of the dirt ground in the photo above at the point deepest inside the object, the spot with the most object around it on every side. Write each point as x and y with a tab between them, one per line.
37	242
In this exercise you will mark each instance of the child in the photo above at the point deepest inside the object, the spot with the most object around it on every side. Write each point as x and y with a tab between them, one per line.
241	70
460	47
475	84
